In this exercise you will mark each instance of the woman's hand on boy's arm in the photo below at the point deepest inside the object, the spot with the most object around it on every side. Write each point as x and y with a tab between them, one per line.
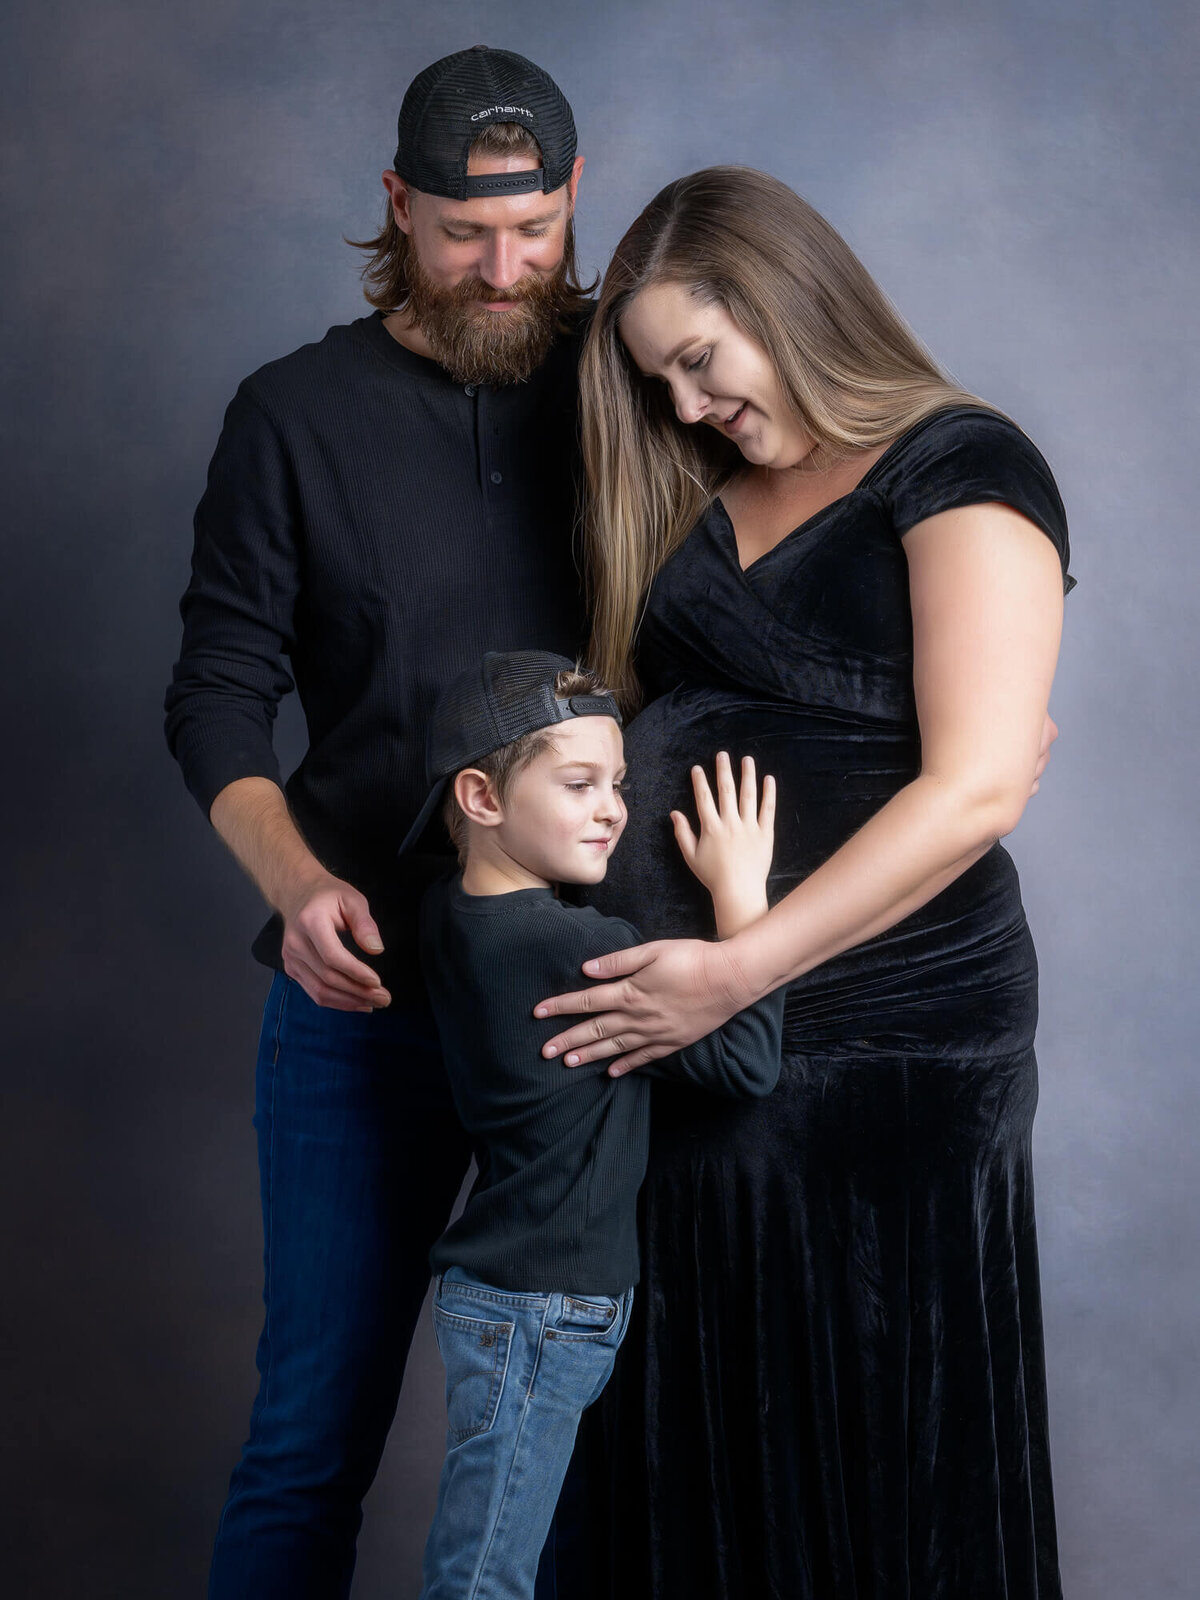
732	855
658	998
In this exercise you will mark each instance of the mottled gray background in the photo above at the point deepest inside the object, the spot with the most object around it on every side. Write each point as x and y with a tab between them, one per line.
177	178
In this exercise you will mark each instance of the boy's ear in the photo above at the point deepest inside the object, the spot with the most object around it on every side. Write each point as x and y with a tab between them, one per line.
477	798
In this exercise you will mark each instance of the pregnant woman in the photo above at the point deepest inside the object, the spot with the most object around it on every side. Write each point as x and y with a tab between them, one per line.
810	547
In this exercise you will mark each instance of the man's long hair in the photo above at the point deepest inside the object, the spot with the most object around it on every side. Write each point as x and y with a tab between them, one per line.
853	374
386	273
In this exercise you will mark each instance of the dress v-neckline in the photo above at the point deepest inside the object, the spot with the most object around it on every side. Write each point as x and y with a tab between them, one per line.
863	484
735	553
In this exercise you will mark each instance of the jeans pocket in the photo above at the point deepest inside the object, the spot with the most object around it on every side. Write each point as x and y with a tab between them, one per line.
587	1316
475	1354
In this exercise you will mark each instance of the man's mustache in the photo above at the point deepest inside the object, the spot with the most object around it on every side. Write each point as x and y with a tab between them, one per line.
471	290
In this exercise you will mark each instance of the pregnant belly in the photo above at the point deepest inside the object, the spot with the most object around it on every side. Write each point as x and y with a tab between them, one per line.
958	976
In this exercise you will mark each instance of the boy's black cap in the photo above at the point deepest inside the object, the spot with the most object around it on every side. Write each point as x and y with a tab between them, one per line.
450	103
509	694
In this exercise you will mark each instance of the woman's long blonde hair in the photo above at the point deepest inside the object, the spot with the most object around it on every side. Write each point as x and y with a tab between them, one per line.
855	376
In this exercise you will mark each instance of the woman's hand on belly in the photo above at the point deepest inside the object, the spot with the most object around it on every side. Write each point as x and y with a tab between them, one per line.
660	997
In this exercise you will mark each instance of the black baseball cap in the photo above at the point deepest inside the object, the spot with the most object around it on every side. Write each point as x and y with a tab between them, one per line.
509	694
449	104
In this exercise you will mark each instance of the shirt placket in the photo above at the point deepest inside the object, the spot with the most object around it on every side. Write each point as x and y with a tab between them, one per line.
487	421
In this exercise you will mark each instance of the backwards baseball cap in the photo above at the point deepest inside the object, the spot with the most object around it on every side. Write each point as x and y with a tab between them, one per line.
508	695
450	104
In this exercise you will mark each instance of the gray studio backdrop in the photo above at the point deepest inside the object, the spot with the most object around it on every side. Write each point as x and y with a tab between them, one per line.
1022	180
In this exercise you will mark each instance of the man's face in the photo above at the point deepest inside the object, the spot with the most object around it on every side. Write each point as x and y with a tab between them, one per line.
487	275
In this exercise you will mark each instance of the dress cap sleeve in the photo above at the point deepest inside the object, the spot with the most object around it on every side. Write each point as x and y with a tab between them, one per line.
971	456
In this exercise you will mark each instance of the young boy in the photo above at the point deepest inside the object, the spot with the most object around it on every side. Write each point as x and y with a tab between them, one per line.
537	1274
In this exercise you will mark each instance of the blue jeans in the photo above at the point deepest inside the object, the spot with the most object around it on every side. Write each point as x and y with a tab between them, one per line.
520	1371
361	1157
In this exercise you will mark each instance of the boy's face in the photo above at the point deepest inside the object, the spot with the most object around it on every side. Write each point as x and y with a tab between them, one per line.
563	813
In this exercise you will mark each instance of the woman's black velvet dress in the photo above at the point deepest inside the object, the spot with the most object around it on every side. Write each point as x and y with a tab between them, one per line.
833	1388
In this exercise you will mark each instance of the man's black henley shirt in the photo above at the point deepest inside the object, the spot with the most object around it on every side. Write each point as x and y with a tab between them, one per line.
370	528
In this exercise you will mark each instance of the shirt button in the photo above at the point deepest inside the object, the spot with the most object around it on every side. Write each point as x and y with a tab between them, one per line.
470	389
497	477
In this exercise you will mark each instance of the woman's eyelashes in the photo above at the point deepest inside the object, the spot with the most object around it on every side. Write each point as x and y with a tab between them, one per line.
696	364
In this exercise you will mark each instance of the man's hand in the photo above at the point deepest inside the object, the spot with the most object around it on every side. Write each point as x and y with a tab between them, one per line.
315	956
252	817
732	856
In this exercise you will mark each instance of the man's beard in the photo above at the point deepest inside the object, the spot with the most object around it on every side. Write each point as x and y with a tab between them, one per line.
480	346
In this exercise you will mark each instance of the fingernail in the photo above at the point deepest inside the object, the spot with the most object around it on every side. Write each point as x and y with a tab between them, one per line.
572	1061
551	1050
591	966
539	1011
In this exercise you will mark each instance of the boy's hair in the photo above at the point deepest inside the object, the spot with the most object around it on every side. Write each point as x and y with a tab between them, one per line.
501	766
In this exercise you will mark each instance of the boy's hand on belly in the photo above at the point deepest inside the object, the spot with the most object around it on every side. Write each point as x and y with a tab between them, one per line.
732	856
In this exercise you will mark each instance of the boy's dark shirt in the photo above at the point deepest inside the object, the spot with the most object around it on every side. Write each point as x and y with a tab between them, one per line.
562	1150
370	528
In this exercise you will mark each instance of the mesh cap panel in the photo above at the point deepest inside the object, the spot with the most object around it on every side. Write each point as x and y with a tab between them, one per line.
449	104
506	696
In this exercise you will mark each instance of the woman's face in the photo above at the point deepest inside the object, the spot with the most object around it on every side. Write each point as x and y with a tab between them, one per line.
716	373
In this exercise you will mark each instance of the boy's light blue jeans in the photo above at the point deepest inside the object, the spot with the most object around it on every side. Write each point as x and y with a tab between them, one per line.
520	1371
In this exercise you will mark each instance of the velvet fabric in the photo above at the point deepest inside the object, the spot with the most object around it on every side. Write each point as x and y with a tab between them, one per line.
833	1385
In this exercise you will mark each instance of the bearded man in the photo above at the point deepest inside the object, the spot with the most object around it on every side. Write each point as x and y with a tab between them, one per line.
383	507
